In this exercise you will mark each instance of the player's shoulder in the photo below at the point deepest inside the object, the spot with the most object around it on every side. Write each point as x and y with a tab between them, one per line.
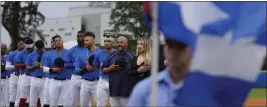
130	53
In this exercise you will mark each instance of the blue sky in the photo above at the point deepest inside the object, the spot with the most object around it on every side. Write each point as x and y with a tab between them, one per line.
50	10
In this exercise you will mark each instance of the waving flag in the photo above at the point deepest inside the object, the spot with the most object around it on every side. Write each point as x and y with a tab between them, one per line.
228	41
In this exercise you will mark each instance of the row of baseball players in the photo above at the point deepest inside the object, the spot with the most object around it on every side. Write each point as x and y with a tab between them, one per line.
63	77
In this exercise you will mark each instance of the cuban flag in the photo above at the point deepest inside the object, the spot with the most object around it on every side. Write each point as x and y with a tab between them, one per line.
228	41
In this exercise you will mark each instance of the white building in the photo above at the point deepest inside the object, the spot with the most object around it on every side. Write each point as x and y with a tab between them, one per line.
94	17
66	27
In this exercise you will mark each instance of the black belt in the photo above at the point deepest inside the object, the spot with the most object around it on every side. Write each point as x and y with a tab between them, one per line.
25	74
5	77
39	76
91	79
16	73
61	79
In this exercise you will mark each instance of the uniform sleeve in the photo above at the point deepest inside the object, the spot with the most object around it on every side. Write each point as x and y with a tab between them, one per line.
46	61
18	58
43	58
97	60
28	61
78	65
10	57
137	97
106	62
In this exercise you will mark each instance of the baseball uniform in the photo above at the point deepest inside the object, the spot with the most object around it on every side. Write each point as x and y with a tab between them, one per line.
5	74
103	85
76	78
37	79
89	78
13	80
46	99
59	85
25	76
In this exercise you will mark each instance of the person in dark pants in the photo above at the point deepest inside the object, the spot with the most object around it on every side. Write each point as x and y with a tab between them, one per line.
118	65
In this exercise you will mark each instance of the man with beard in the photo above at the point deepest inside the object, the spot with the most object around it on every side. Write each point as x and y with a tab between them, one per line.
25	74
59	66
13	81
47	75
75	52
37	76
5	74
87	70
103	85
117	66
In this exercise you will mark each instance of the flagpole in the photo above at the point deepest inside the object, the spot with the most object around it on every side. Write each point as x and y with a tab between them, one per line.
155	56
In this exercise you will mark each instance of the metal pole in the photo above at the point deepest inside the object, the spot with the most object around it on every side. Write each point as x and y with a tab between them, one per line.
1	42
155	51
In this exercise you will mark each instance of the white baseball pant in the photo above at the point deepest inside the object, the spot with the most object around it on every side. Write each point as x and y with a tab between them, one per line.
13	90
59	89
102	92
25	86
119	101
46	91
75	90
18	91
4	92
88	91
36	91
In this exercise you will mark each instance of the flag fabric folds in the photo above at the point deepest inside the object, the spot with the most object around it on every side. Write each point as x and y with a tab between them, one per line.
228	41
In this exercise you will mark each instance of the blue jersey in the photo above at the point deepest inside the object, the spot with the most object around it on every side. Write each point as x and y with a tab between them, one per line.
33	57
82	61
44	59
99	60
20	58
66	73
7	72
11	58
75	52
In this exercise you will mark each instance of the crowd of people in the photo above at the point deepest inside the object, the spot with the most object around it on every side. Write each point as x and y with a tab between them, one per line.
34	76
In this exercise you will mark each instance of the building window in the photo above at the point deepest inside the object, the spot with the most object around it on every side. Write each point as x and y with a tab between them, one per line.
72	28
61	29
52	30
67	34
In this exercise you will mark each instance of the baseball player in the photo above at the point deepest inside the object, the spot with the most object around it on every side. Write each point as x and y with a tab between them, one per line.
76	78
37	76
25	75
84	66
118	65
103	85
13	81
59	66
5	74
47	75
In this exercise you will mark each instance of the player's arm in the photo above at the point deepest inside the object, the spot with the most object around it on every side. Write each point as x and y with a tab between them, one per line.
9	65
29	65
42	61
68	63
19	64
79	69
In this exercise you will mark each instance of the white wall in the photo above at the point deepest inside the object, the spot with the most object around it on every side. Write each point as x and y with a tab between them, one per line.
78	11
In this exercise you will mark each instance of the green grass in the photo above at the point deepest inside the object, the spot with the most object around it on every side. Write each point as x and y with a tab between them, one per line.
258	93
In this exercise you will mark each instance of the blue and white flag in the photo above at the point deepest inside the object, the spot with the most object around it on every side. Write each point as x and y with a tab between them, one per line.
228	41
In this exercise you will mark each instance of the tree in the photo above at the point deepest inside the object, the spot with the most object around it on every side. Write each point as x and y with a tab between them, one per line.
21	19
129	16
